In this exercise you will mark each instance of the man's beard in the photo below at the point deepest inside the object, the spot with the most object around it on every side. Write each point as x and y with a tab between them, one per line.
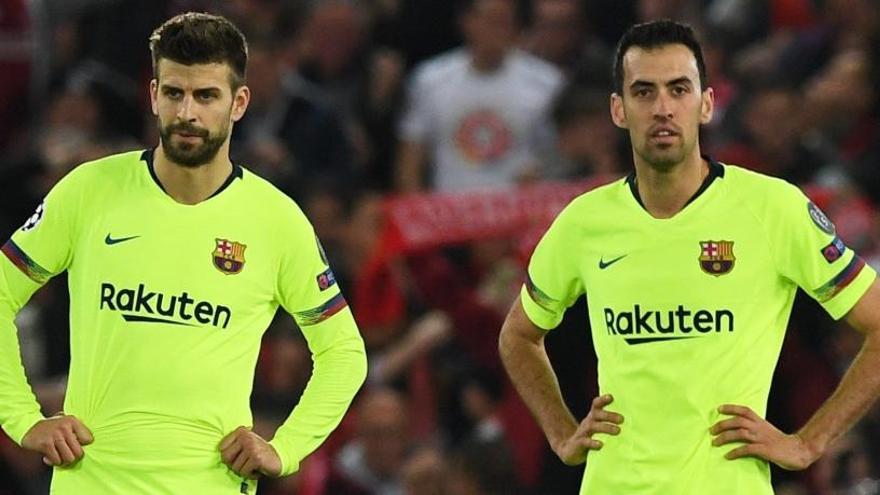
189	154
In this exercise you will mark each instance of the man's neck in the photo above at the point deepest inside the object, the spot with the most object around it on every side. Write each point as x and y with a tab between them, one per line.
192	185
486	64
665	193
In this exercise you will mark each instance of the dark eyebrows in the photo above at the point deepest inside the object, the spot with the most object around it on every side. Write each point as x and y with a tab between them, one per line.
639	84
683	80
209	91
212	91
642	84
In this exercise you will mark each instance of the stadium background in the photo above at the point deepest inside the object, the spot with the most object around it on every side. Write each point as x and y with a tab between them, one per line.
797	97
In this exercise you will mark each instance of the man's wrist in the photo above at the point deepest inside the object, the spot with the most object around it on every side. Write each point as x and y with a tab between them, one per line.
813	445
560	435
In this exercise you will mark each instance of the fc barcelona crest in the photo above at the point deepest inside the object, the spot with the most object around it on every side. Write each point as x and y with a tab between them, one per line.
716	257
229	256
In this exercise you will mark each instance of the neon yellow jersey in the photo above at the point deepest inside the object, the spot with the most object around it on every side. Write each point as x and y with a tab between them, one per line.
687	314
168	304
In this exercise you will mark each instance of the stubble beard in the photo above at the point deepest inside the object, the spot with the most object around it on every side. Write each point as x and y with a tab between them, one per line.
663	159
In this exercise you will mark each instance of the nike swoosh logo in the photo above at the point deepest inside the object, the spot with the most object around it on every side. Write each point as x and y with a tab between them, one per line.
605	264
111	241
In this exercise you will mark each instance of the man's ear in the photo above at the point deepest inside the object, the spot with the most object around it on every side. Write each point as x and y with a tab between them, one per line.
707	108
240	101
154	94
618	113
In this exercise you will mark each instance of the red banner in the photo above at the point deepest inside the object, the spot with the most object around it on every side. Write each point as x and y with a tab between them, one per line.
431	220
420	221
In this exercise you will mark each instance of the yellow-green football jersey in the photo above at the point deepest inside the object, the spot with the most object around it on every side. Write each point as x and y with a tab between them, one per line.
168	304
687	313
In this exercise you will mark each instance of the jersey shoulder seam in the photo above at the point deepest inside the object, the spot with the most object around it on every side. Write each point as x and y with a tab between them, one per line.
735	186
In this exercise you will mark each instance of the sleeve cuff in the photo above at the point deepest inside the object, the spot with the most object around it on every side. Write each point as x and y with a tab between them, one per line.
16	429
844	301
541	317
289	465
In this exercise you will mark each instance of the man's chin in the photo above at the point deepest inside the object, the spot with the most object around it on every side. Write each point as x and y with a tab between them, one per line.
188	155
664	158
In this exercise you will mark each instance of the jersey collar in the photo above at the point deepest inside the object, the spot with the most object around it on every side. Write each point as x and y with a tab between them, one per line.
147	156
716	170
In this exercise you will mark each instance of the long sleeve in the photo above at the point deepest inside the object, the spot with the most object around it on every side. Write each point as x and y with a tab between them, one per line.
340	368
39	250
19	409
307	289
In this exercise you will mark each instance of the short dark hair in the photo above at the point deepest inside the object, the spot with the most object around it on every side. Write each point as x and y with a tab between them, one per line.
198	38
656	34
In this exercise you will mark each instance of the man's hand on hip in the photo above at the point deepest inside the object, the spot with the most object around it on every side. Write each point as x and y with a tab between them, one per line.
761	438
249	455
59	438
573	450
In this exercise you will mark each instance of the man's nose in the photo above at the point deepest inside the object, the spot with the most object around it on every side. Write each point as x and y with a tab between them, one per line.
185	110
663	106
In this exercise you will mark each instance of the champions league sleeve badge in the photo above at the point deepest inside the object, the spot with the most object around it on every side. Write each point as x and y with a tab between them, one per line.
832	252
820	219
34	220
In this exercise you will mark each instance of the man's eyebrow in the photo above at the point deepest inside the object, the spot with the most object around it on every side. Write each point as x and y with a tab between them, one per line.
680	80
208	90
638	83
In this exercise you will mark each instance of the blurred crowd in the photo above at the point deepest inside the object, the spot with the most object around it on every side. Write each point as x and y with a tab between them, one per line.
360	102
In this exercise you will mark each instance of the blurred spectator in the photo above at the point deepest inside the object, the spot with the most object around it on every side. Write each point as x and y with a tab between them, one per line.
419	29
794	54
769	139
846	469
481	396
290	135
483	467
865	171
16	64
474	114
377	297
796	96
428	331
687	11
587	141
425	473
373	462
107	67
283	370
361	82
838	103
559	34
853	20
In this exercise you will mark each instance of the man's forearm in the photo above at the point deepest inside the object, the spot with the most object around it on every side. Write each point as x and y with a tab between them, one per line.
19	409
338	373
855	394
530	370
